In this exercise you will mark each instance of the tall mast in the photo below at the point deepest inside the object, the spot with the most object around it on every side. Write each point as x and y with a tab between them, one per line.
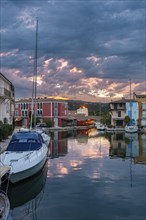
35	73
34	89
130	103
130	89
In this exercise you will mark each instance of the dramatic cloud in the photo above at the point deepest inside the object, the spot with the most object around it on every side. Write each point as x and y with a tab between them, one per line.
86	49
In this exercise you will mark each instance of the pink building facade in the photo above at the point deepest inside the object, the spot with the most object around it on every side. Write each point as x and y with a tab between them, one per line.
46	109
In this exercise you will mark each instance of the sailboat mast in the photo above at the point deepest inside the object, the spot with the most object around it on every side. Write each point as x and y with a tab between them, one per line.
35	73
130	89
130	103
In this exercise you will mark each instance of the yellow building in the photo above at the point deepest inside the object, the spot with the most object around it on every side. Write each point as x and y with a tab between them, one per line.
141	99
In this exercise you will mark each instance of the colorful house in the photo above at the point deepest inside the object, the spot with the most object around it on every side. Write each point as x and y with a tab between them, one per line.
121	108
141	99
45	109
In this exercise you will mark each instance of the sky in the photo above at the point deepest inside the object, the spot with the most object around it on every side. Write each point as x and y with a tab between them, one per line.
87	49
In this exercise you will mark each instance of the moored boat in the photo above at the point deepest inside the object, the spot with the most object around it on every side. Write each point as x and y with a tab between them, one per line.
99	126
26	154
131	128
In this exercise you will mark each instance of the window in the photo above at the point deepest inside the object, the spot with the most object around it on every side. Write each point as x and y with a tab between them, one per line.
55	105
7	108
16	113
22	113
39	104
119	113
55	112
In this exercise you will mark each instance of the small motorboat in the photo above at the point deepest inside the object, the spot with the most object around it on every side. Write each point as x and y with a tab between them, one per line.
42	131
26	154
44	134
99	126
131	128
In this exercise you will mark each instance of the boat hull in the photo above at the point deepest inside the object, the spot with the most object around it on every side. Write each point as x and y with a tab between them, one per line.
100	127
131	129
16	177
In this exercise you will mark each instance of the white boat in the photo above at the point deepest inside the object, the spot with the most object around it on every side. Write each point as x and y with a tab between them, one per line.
99	126
44	134
26	154
42	131
131	128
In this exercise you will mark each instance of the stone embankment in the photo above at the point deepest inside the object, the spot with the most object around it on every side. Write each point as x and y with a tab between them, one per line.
67	128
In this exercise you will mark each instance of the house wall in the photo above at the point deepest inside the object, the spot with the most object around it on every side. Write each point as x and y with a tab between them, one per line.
82	111
132	111
141	99
117	111
45	110
6	100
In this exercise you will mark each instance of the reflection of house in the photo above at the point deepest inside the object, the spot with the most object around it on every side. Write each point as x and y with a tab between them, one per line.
117	145
141	99
128	146
45	110
6	100
142	150
58	146
121	108
132	148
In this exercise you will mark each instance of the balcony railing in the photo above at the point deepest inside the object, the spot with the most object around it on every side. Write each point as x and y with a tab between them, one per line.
5	93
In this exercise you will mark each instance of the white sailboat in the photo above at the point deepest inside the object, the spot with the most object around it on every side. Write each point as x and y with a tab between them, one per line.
99	125
131	127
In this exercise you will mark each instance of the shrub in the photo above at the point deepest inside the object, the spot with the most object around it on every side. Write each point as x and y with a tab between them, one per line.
5	131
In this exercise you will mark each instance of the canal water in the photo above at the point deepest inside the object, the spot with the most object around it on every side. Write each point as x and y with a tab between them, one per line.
89	175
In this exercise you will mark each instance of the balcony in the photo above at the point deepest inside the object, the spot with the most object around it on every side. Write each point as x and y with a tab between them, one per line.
6	94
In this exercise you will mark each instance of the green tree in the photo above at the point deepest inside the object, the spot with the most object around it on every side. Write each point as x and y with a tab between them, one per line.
49	123
127	119
106	118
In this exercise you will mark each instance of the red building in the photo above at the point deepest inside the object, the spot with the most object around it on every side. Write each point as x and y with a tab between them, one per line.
45	109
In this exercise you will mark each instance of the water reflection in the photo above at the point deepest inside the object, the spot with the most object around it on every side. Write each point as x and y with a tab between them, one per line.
128	145
96	145
25	196
82	177
58	145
